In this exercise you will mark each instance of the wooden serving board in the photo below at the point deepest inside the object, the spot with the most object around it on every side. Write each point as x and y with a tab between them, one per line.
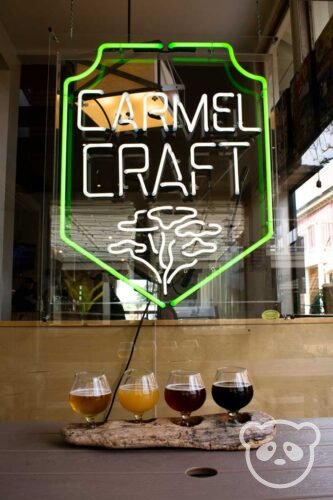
211	432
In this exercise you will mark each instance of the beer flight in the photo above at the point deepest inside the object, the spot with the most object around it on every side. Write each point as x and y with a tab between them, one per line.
184	392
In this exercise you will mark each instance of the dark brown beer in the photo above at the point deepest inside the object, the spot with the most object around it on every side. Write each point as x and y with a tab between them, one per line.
88	403
184	397
230	396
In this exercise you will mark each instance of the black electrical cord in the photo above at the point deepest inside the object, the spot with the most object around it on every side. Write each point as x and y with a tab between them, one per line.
128	360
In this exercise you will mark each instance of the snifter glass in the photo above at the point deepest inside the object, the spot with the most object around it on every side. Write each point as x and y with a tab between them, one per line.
185	392
138	392
90	395
232	390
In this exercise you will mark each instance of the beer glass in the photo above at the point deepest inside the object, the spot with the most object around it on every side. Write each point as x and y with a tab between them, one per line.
232	390
90	395
185	392
138	392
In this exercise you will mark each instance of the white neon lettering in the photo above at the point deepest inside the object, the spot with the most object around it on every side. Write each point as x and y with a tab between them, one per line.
138	171
201	108
125	113
175	184
167	150
240	117
125	117
79	112
235	146
196	166
86	192
167	154
156	111
170	238
220	109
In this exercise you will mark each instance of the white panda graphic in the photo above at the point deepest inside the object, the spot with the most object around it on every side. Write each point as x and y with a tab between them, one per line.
291	451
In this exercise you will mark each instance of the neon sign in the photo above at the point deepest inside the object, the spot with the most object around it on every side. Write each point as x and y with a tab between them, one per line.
166	239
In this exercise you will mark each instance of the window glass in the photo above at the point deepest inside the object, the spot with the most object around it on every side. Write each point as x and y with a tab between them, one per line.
291	271
208	173
314	214
322	12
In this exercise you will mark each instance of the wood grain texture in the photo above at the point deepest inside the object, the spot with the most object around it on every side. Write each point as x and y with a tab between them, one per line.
211	432
36	463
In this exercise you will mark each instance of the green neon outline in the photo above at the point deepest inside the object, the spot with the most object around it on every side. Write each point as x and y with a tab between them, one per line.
269	201
69	162
99	77
215	60
63	166
247	91
261	180
269	193
259	139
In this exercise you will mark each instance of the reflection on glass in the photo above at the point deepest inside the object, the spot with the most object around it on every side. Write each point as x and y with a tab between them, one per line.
170	209
90	395
232	390
138	392
185	392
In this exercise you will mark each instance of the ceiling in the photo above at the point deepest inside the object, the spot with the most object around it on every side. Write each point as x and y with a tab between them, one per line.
236	22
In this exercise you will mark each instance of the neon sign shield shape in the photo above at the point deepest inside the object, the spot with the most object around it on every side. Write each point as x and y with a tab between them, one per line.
173	175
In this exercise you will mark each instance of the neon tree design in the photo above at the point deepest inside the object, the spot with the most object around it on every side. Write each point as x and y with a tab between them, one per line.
162	239
168	247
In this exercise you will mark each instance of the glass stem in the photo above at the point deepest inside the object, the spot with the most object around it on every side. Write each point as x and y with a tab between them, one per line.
91	421
233	416
185	419
138	418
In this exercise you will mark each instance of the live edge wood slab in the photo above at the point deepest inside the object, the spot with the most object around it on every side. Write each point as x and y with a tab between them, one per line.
211	432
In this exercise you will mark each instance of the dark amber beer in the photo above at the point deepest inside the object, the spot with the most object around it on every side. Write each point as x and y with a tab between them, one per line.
184	398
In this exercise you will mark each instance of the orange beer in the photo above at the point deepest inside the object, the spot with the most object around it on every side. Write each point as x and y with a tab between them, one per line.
138	398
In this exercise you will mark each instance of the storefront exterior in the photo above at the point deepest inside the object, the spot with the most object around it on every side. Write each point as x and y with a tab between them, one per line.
166	182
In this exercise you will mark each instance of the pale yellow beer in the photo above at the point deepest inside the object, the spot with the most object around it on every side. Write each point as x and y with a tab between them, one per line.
138	398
